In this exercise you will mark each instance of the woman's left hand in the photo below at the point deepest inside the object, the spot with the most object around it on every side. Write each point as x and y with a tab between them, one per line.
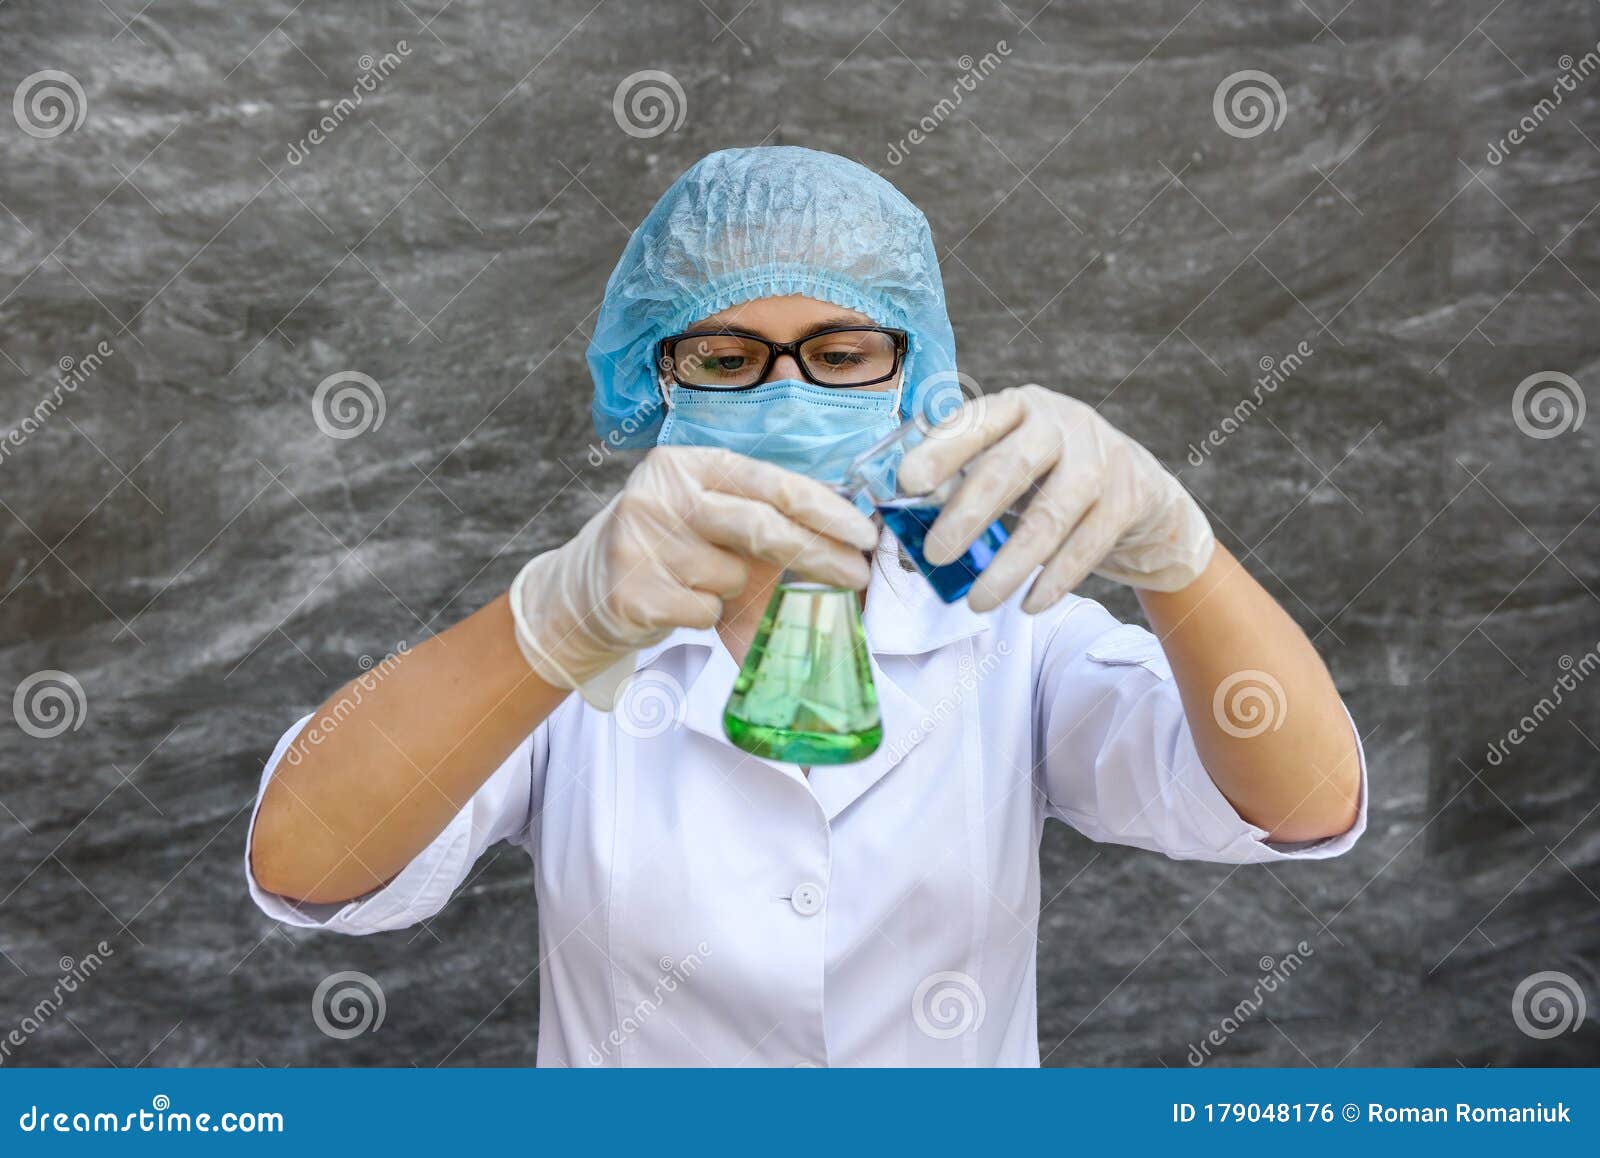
1101	502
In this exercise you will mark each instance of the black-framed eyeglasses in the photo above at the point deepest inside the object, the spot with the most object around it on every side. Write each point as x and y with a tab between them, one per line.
734	360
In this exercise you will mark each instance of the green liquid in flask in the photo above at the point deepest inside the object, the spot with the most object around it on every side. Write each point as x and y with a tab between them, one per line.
805	693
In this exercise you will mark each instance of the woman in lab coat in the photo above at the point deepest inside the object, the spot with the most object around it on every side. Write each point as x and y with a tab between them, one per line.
776	312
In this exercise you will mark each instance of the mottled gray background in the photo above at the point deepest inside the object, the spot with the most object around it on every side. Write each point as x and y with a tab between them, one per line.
183	540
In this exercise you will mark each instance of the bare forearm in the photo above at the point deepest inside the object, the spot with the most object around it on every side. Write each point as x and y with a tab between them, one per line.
387	763
1292	769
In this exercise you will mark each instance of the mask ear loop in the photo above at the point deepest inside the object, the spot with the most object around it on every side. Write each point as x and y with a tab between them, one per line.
663	382
900	383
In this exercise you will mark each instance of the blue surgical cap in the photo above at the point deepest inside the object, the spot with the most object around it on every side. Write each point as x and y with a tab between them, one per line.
753	223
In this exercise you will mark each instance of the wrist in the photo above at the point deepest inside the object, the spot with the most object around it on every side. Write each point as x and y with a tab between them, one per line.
594	673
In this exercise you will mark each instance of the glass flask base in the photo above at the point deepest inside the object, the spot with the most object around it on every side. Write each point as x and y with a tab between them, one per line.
804	694
791	747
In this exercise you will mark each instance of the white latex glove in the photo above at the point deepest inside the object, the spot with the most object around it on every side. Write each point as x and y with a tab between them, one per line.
1103	504
666	552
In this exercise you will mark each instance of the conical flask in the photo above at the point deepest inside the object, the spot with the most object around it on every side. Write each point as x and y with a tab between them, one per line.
805	693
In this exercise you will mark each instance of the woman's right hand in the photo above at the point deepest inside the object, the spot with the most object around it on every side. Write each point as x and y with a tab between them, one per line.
668	550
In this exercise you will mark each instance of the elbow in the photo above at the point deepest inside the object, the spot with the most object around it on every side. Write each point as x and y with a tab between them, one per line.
292	884
1327	814
1296	830
278	866
1321	798
270	869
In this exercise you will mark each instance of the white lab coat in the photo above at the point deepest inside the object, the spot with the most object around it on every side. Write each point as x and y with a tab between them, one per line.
698	905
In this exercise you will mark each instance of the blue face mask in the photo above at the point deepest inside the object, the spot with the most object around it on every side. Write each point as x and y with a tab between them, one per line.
812	430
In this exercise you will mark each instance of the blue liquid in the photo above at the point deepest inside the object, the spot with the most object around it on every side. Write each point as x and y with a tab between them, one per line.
910	524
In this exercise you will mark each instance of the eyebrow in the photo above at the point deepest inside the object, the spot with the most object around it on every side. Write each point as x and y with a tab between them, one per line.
829	323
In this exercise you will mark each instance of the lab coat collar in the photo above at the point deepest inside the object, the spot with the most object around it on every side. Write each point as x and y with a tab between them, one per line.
906	719
903	617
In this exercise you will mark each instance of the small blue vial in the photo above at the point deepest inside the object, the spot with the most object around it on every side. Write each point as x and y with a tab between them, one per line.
910	520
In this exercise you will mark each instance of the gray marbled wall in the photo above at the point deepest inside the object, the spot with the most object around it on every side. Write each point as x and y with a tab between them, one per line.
180	537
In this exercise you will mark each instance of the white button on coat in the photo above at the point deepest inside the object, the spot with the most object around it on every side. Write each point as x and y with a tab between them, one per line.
662	854
807	900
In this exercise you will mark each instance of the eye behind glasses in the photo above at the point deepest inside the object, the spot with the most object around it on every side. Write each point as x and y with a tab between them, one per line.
730	360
